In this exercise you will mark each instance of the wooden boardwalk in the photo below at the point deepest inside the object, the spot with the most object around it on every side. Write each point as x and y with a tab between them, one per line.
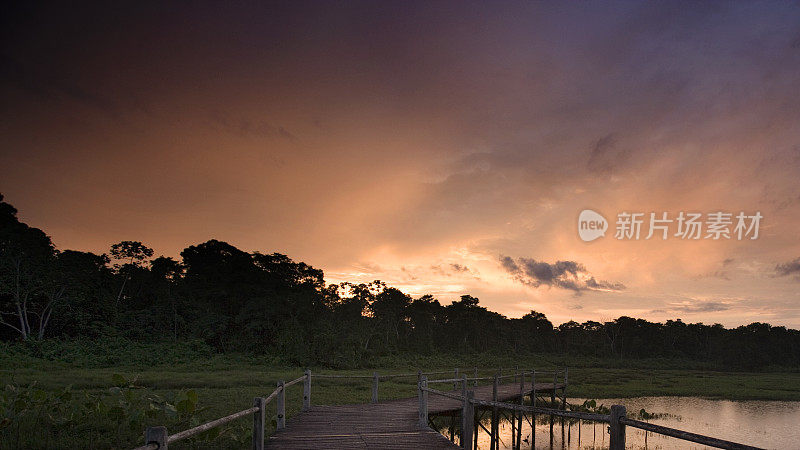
383	425
402	423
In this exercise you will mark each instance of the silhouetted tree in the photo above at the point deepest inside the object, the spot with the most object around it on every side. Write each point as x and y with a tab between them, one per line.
132	255
259	303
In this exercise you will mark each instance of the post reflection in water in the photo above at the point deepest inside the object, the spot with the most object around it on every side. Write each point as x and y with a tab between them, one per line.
767	424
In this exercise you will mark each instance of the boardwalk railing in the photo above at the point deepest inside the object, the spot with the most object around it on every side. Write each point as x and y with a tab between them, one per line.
617	420
158	438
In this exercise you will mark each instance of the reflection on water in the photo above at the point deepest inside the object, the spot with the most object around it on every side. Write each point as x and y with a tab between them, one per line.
768	424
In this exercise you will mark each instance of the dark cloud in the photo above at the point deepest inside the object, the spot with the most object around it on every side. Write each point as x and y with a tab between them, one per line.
702	307
454	269
606	155
788	269
721	274
561	274
409	275
459	268
691	306
250	128
51	85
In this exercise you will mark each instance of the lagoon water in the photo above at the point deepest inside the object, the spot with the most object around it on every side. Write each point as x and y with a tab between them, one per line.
768	424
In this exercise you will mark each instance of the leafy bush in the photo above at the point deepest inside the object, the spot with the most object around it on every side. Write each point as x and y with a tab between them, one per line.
108	351
116	417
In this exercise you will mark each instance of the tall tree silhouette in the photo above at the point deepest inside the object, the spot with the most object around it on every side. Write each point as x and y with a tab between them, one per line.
132	255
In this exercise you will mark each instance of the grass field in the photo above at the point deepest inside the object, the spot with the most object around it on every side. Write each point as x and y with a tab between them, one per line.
228	384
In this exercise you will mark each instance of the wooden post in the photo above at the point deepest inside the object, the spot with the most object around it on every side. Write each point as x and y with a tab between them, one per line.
476	429
521	403
374	387
423	402
281	405
533	403
156	435
617	429
467	419
463	385
258	423
455	383
307	391
563	401
513	429
553	403
495	427
516	372
476	377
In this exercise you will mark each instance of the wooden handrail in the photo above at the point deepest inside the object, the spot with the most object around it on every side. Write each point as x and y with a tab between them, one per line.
342	376
198	429
685	435
209	425
385	376
295	381
443	394
448	380
539	410
617	419
258	425
453	380
273	394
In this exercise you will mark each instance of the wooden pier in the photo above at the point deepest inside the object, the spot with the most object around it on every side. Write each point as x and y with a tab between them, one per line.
404	423
383	425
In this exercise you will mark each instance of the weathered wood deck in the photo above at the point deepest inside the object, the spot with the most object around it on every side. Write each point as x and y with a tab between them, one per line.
383	425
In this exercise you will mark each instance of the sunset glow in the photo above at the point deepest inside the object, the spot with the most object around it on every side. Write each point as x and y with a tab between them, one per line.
421	145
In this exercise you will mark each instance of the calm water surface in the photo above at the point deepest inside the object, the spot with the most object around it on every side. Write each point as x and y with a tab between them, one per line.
769	424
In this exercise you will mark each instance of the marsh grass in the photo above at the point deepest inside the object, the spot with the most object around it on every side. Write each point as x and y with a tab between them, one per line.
228	383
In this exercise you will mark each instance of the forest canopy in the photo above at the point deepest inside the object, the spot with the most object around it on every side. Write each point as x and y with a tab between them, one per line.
259	303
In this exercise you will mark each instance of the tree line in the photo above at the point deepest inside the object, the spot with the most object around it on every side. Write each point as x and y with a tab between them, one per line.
259	303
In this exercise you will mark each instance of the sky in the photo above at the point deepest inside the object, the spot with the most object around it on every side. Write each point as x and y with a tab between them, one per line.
441	147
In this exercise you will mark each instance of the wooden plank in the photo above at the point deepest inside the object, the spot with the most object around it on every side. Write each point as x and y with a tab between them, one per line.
387	424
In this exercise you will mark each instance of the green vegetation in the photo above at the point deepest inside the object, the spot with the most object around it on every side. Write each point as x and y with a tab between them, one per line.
151	392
